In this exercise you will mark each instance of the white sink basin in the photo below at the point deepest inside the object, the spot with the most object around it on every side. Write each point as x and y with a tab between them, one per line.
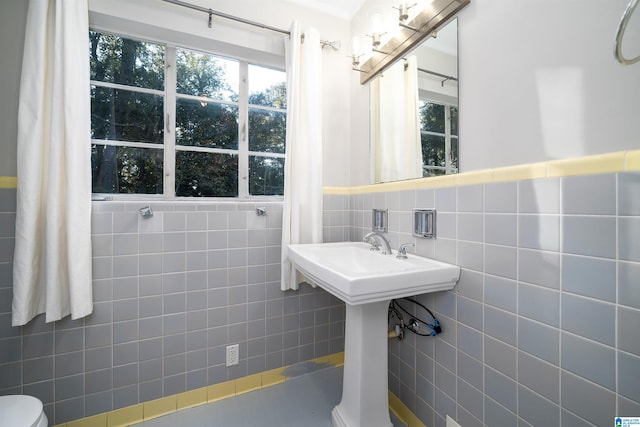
366	281
356	275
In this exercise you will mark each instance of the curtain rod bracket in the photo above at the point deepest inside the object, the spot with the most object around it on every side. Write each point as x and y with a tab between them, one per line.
335	45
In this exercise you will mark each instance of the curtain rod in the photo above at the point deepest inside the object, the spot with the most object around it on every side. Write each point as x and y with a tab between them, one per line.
444	76
433	73
211	12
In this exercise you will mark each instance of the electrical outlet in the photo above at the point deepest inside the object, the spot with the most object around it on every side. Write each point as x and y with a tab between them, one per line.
233	354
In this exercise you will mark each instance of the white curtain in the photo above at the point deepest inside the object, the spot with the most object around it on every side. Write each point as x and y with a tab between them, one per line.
52	260
302	211
395	134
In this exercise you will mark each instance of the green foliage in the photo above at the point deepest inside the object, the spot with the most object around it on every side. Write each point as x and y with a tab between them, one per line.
433	150
206	174
274	96
126	170
129	62
454	121
266	176
211	125
267	131
199	74
123	115
432	117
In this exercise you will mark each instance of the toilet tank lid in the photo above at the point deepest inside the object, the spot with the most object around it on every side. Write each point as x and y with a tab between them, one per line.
19	410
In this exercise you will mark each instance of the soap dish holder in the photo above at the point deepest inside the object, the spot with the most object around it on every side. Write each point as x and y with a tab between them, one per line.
424	223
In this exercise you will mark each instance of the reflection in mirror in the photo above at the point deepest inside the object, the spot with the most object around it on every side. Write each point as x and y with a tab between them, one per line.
414	112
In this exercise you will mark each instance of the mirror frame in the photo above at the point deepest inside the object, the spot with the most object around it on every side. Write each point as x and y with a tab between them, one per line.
438	13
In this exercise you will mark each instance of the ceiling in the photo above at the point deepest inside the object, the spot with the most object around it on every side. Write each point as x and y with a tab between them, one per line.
340	8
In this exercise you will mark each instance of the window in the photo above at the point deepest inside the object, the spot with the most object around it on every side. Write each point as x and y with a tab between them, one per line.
439	137
206	127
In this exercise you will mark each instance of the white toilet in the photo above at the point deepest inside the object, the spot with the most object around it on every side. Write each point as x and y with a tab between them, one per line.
21	411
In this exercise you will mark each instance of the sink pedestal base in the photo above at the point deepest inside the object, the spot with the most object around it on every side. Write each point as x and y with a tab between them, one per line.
365	396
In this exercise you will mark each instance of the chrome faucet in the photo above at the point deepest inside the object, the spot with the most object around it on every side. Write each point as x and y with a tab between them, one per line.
402	250
375	238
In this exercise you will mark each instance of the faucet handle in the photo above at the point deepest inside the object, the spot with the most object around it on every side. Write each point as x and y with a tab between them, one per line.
402	250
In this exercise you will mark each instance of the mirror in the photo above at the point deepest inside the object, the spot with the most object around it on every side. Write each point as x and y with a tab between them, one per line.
414	114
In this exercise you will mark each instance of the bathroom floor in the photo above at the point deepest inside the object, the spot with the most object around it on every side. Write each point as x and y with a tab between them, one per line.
304	400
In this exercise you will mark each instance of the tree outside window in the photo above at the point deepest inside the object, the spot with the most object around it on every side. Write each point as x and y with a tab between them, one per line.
439	137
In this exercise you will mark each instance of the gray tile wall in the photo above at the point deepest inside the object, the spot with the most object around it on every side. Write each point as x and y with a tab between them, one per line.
542	328
170	293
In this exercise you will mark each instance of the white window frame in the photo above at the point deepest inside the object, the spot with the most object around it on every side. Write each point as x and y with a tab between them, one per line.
448	168
170	147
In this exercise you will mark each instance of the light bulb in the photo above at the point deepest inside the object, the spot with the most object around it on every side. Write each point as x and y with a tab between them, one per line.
376	23
355	46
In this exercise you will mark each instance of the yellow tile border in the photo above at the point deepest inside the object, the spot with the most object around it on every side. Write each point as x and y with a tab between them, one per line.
403	412
99	420
632	161
520	172
338	191
157	408
273	377
337	359
621	161
248	383
589	165
125	416
221	391
8	182
166	405
192	398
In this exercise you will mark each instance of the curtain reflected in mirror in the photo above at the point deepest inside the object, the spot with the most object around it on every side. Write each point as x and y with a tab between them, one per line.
414	112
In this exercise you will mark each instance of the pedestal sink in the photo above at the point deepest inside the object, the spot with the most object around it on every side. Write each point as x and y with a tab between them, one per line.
366	281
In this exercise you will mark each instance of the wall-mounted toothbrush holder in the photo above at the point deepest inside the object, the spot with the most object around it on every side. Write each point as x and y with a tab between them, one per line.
424	223
146	212
379	220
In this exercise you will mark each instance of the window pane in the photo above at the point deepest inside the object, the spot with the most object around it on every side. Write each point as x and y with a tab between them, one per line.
432	117
266	176
454	154
267	131
129	62
209	124
123	115
433	150
200	74
126	170
206	174
267	87
454	121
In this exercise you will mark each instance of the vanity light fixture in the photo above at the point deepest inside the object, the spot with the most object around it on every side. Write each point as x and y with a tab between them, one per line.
376	27
410	28
403	10
356	53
